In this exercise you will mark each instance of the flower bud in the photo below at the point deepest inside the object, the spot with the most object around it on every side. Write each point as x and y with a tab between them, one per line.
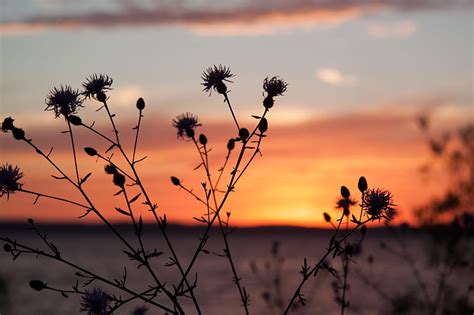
362	185
268	102
7	248
101	97
37	285
263	125
175	181
110	169
119	179
90	151
202	139
7	124
220	87
140	104
18	133
189	132
327	217
244	134
75	120
30	220
231	144
345	193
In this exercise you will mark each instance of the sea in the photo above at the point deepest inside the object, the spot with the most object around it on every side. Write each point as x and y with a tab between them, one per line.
268	261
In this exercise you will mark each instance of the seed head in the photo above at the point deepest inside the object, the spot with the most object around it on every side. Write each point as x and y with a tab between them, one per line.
37	285
9	177
185	124
96	86
214	78
96	302
63	101
7	124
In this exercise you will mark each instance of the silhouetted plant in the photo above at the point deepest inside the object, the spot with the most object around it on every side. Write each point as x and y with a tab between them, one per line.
376	204
242	148
449	224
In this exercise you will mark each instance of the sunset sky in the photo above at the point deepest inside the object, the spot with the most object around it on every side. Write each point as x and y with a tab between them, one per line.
359	74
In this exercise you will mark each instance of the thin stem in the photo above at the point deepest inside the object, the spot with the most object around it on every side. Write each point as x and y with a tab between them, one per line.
345	262
221	171
148	202
146	262
82	269
73	150
205	235
230	188
136	135
317	267
38	195
111	117
226	99
205	161
85	196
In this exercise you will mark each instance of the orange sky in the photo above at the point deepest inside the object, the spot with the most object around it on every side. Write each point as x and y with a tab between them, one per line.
297	179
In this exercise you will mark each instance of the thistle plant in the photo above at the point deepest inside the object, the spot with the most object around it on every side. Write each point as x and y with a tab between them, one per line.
102	294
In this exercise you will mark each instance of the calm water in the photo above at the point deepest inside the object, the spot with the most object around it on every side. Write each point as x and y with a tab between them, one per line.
100	252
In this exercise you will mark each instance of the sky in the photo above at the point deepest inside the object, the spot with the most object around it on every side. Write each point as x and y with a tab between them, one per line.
359	73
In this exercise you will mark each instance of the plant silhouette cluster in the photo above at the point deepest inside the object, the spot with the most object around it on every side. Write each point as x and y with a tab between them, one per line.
101	294
448	223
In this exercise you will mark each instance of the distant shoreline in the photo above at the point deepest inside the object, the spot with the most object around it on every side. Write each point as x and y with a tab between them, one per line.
15	226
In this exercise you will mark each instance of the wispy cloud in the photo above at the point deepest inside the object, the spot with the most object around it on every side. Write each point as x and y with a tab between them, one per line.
401	29
253	17
335	77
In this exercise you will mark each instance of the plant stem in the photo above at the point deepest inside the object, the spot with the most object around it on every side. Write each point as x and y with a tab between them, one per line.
82	269
226	99
73	150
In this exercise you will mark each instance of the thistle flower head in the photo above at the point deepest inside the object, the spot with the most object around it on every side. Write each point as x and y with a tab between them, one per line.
214	78
274	86
186	123
7	124
63	101
96	86
96	302
345	204
378	203
9	177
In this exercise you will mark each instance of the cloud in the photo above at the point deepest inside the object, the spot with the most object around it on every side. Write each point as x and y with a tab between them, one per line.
243	19
335	77
126	96
401	29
